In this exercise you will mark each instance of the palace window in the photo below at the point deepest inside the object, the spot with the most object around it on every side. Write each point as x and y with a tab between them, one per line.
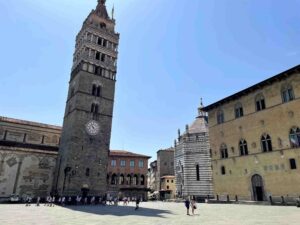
224	151
266	143
197	172
287	93
293	165
98	91
141	163
223	170
113	163
99	42
122	163
260	102
220	116
131	163
295	137
239	112
243	147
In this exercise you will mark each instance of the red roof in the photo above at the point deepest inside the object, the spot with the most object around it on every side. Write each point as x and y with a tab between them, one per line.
126	154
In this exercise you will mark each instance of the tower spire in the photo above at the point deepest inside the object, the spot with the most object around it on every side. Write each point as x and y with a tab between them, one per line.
101	9
113	11
201	113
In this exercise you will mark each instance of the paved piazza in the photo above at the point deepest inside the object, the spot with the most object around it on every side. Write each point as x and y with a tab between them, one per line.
152	213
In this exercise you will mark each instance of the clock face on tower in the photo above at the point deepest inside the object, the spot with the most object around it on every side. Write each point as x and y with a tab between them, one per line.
92	128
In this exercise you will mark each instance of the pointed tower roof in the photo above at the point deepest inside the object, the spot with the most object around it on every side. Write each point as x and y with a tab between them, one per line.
101	9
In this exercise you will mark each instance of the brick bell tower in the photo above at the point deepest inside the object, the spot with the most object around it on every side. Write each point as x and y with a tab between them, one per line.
85	141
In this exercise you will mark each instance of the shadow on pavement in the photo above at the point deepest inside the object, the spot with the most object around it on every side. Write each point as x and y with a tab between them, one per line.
120	211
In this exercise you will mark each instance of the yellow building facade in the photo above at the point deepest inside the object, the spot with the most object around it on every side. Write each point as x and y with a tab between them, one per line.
168	188
255	139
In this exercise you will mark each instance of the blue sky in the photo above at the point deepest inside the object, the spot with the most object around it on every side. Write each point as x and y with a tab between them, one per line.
171	53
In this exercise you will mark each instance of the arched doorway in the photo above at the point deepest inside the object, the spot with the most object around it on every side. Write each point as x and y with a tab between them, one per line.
257	187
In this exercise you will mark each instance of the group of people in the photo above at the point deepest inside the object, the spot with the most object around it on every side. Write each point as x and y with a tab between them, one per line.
190	203
79	200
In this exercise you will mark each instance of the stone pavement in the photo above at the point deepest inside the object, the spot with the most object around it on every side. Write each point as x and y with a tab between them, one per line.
151	213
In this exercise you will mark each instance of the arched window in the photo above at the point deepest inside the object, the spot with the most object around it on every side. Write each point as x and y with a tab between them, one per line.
99	91
295	137
128	179
287	93
266	143
223	170
142	180
113	179
135	179
87	172
260	102
97	55
238	109
102	25
220	116
93	108
121	179
243	147
224	151
96	108
94	91
197	172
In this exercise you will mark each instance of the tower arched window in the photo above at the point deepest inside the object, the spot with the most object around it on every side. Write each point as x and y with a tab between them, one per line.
98	91
243	147
102	25
224	151
260	102
220	116
94	90
266	143
287	93
238	110
102	57
87	172
96	108
93	108
98	55
295	137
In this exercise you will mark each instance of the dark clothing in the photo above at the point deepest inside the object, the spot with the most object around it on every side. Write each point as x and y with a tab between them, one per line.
187	204
137	202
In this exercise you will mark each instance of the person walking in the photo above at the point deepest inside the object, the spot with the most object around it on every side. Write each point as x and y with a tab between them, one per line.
187	206
63	199
137	203
38	201
193	205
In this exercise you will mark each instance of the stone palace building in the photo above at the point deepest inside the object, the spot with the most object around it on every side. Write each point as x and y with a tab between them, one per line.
255	139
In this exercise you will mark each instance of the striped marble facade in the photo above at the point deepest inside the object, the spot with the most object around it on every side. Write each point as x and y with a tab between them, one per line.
193	173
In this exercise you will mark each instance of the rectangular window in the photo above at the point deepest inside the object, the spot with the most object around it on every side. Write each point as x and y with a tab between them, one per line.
141	163
131	163
123	163
113	163
293	164
197	172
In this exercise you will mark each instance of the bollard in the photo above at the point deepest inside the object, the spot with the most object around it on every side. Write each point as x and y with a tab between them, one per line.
217	197
298	202
271	200
228	198
236	198
282	200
